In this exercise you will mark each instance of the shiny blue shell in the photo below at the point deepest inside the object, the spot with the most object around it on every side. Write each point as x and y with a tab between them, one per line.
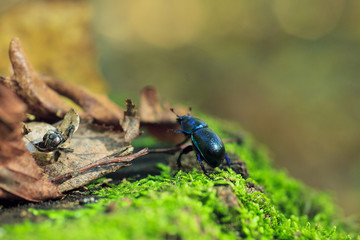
205	140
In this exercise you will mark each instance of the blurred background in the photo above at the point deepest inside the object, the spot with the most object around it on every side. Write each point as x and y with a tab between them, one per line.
287	71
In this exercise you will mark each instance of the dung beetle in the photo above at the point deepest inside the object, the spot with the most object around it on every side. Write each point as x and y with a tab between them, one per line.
207	144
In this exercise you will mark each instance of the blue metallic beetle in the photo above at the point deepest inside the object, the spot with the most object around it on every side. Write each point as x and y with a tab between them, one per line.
206	143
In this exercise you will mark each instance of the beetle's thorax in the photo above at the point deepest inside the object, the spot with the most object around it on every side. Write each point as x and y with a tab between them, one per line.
190	124
53	139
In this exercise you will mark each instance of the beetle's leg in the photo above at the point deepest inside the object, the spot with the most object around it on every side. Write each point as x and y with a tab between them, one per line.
184	151
176	131
182	142
203	167
57	154
228	160
180	131
66	150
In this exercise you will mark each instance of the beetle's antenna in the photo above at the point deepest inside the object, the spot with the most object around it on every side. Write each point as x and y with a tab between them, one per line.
190	108
172	109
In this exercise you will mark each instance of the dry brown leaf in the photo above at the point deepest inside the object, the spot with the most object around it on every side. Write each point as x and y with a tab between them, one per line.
20	176
26	83
94	150
158	119
95	106
131	123
41	94
91	144
11	113
150	109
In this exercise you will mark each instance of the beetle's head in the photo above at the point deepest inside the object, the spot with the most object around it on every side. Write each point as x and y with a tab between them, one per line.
189	123
182	118
52	139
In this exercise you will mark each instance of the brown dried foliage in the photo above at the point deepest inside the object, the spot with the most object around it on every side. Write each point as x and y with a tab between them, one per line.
20	176
95	106
26	83
157	118
97	148
100	145
42	93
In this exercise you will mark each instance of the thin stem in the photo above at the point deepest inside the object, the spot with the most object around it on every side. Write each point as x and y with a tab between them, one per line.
125	159
102	162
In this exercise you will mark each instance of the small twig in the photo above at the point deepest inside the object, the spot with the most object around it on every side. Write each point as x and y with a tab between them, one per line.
101	162
172	150
125	159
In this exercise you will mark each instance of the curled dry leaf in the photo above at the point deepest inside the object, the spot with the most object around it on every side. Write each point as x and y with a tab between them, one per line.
26	83
150	109
11	114
71	119
20	176
158	119
95	106
69	126
95	150
45	141
131	123
89	145
41	93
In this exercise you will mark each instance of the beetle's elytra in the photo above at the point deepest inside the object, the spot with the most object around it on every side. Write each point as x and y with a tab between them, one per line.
207	144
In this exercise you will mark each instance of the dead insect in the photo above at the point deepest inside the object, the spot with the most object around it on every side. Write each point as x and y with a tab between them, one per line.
53	139
59	138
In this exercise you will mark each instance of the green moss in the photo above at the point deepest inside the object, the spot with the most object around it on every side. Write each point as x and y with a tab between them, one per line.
190	206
